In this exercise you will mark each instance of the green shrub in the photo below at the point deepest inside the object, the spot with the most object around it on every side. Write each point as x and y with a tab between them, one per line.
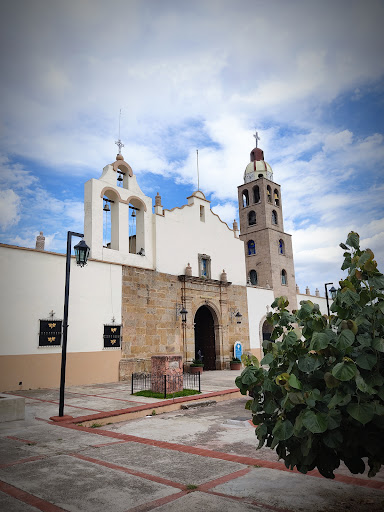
322	399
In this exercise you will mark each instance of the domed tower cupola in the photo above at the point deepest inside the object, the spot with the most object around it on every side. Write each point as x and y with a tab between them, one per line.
257	154
257	168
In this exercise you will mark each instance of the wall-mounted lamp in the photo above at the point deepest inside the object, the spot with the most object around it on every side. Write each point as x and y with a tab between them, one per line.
236	315
181	311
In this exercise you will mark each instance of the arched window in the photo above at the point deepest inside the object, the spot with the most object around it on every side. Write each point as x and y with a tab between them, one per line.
251	218
281	247
276	197
274	217
269	194
251	247
245	198
253	277
256	194
283	277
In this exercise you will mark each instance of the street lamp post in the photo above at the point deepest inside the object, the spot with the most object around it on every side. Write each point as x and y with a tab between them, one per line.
82	253
333	294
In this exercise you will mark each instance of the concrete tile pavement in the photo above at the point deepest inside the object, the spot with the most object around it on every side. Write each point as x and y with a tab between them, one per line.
200	459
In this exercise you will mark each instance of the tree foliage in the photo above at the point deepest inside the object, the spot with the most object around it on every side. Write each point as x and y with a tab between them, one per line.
321	400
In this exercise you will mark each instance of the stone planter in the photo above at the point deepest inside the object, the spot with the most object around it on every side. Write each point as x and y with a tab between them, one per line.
235	366
196	369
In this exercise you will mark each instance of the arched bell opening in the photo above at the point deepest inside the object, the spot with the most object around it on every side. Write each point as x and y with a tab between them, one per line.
136	212
207	346
110	220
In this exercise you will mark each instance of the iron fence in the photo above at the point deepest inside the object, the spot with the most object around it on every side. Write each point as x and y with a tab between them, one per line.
165	383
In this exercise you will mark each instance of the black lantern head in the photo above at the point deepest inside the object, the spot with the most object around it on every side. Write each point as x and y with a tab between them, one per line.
82	253
238	317
183	313
333	292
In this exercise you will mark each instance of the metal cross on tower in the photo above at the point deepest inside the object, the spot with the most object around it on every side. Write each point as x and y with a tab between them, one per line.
120	145
257	137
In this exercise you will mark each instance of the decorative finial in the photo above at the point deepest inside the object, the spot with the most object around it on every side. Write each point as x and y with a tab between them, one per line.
257	137
118	143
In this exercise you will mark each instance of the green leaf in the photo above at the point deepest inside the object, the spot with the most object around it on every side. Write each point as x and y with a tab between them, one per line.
362	412
348	297
363	386
339	399
366	256
345	339
290	339
270	406
345	370
376	282
294	382
343	246
366	361
333	439
353	240
296	398
331	381
283	430
261	433
378	344
267	359
315	422
307	364
319	341
334	419
355	465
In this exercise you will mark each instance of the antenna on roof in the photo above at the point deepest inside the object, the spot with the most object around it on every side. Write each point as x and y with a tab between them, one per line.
118	143
197	163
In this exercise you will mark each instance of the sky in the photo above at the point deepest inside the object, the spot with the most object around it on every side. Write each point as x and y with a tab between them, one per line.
307	75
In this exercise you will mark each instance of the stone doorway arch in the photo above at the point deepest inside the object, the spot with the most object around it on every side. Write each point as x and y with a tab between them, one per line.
205	336
266	331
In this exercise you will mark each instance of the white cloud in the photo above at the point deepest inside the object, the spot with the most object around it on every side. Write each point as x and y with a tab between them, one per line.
227	212
9	208
196	75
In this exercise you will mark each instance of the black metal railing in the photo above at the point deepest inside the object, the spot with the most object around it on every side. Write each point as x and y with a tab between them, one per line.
165	384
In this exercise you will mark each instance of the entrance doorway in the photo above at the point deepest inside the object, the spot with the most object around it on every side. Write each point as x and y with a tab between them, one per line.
205	337
266	331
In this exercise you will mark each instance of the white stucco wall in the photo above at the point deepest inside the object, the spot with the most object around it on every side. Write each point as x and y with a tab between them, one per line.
181	235
258	300
321	301
32	284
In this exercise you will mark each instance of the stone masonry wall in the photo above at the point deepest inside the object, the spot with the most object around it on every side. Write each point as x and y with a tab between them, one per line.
150	326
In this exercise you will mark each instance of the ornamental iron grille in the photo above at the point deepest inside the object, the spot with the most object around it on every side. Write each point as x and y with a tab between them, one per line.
112	336
50	333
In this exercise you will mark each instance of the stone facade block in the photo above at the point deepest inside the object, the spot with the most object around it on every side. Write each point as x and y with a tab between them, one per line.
167	370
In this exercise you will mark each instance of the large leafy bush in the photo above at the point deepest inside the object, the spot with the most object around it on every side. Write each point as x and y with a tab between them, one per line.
321	401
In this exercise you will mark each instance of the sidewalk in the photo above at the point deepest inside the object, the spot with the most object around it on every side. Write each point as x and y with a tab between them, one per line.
198	459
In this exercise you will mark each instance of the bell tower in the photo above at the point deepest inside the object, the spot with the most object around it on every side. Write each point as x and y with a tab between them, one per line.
268	249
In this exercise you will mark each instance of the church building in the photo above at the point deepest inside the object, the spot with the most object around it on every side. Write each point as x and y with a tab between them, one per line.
158	282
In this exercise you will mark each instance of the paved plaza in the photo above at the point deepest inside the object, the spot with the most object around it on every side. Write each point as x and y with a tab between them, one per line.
202	458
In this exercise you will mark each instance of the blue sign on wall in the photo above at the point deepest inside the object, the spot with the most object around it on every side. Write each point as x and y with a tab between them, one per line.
238	351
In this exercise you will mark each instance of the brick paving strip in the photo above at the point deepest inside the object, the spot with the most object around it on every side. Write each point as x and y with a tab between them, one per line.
206	487
241	459
29	499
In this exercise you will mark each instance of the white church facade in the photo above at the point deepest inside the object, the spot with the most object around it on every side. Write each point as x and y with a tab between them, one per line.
177	281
